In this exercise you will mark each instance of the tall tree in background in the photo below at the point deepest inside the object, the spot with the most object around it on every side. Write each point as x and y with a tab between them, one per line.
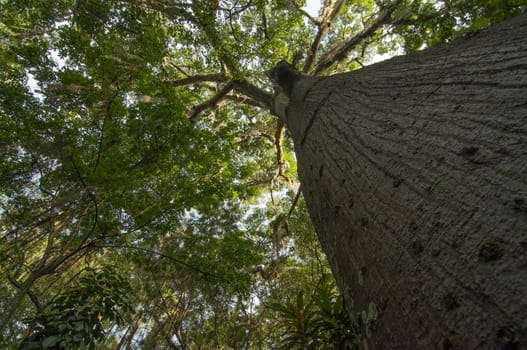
153	128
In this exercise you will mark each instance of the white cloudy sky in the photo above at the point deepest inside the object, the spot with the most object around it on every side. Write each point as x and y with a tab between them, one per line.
312	7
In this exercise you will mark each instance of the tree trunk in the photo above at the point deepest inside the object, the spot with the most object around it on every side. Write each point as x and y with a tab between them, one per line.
415	175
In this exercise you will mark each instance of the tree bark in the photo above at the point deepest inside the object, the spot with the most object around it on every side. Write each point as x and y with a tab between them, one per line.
415	175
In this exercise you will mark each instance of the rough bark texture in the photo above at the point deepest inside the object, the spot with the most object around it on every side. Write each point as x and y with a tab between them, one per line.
415	174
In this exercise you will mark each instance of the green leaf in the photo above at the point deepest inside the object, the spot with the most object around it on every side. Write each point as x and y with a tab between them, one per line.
372	311
50	342
481	22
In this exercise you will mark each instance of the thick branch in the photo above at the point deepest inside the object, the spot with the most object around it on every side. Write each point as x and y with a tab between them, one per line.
339	52
34	298
254	92
331	10
15	302
254	96
212	102
200	78
245	100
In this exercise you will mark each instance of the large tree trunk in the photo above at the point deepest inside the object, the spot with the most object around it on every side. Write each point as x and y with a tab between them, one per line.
415	175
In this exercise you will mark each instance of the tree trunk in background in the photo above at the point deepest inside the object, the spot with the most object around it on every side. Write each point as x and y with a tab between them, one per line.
16	301
415	174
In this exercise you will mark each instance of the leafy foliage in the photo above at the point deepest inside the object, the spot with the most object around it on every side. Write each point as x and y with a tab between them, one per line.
138	135
316	322
428	23
76	318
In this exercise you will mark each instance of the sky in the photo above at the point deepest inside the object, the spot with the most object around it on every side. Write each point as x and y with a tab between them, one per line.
312	7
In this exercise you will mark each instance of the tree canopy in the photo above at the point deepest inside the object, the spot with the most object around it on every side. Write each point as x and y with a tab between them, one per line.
148	192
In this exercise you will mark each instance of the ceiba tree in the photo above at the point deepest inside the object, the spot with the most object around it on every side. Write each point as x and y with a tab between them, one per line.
413	169
414	172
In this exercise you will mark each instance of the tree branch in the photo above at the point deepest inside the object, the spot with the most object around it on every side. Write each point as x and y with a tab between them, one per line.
339	52
245	100
236	10
254	92
199	14
107	103
206	11
171	258
278	143
295	201
305	13
212	102
181	70
16	300
200	78
254	96
34	298
330	12
166	7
